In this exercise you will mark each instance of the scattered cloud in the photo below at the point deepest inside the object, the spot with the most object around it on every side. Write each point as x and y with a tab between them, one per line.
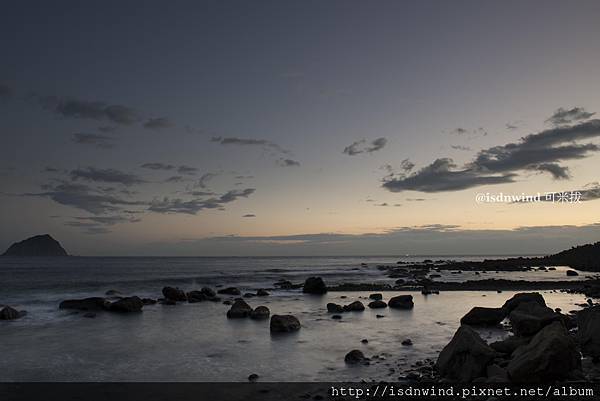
249	215
206	177
287	162
158	166
568	116
94	110
249	142
99	141
187	170
511	126
105	175
175	178
193	206
406	165
362	146
474	132
158	123
460	147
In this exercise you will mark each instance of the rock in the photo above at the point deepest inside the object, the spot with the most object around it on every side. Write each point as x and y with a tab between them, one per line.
112	293
40	245
376	297
262	293
364	341
334	308
378	304
174	294
253	377
89	315
465	357
149	301
314	285
401	302
239	309
550	355
509	344
284	324
523	297
400	281
195	296
93	303
127	304
588	322
355	356
355	306
208	292
497	374
229	291
407	343
336	317
260	312
530	317
8	313
480	316
379	316
572	273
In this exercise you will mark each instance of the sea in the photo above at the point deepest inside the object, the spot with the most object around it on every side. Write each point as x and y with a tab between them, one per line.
196	342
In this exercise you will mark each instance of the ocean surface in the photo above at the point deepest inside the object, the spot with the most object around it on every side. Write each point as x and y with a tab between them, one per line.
196	342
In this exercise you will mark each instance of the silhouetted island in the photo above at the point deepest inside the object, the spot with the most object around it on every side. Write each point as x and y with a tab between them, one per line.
39	245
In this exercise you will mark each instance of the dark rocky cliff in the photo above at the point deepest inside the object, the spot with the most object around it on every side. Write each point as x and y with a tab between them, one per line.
40	245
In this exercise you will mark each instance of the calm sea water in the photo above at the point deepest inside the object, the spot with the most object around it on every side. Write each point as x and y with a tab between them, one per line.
196	342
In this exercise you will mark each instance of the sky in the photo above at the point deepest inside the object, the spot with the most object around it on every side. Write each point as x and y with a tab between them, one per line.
300	128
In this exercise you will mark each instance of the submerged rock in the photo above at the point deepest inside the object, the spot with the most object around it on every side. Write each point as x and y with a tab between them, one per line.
355	356
239	309
550	355
480	316
92	303
229	291
260	313
588	322
208	292
174	294
262	293
314	285
284	324
401	302
378	304
127	304
465	357
355	306
334	308
195	296
376	297
407	343
8	313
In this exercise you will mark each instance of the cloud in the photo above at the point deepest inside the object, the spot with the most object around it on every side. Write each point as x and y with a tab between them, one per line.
6	91
193	206
406	165
460	147
542	152
249	142
463	131
287	162
94	110
175	178
187	170
459	131
105	175
361	146
249	215
158	123
511	127
99	141
158	166
568	116
203	181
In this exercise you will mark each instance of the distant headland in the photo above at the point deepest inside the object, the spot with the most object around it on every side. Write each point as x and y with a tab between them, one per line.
39	245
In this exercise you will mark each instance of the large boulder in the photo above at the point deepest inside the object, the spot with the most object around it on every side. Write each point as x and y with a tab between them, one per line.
127	304
334	308
465	357
354	357
314	285
195	296
284	324
517	299
229	291
174	294
239	309
8	313
588	322
86	304
509	344
376	297
208	292
530	317
550	355
355	306
260	313
401	302
377	304
480	316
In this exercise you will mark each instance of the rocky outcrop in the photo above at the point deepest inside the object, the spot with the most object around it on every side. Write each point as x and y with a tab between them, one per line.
127	304
401	302
314	285
85	304
284	324
260	313
530	317
480	316
8	313
239	309
550	355
174	294
588	322
40	245
465	357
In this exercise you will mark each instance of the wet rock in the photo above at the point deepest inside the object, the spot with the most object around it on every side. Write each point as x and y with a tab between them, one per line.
126	305
530	317
284	324
401	302
208	292
174	294
262	293
334	308
253	377
497	374
509	344
376	297
239	309
336	317
93	303
551	355
572	273
588	322
355	306
465	357
260	313
229	291
480	316
379	316
195	296
149	301
8	313
227	302
314	285
407	343
378	304
354	357
364	341
517	299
